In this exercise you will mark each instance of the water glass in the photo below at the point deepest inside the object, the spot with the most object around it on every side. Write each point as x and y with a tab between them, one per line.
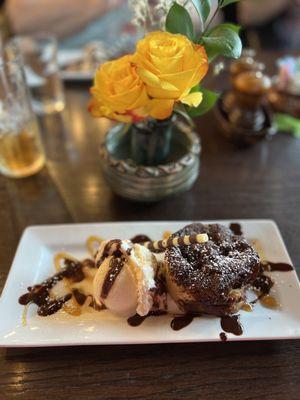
21	151
39	57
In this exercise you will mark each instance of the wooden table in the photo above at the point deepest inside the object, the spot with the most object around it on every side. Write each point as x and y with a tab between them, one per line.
259	182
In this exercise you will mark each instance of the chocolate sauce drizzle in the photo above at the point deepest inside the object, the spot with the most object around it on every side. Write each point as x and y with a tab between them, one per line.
40	294
182	321
140	239
232	324
97	306
116	243
137	319
79	296
177	323
236	228
115	267
229	323
263	283
272	266
52	306
107	249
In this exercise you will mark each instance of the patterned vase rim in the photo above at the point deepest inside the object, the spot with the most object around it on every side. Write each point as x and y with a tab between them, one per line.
127	166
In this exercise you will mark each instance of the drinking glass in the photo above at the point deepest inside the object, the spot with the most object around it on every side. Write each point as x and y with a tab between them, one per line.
21	151
39	57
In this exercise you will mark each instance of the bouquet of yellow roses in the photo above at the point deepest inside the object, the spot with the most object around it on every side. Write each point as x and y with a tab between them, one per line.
166	69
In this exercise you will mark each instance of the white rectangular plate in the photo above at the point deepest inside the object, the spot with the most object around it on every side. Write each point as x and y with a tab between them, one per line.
34	262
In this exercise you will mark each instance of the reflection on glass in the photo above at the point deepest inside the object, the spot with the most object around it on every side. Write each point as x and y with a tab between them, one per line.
39	57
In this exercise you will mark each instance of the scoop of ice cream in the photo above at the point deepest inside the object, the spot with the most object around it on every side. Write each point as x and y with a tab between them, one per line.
125	279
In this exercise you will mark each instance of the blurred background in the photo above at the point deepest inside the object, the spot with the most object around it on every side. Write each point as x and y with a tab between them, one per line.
273	24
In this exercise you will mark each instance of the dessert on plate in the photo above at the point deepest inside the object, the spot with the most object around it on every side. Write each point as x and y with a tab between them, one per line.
200	269
212	277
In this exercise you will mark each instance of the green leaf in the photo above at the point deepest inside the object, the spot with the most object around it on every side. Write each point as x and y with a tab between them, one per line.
179	21
222	40
209	100
203	8
233	27
195	88
287	123
224	3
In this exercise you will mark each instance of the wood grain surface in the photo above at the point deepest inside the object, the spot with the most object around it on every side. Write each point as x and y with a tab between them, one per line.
260	182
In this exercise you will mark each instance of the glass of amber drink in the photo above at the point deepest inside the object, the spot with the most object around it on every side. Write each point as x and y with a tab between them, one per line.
21	150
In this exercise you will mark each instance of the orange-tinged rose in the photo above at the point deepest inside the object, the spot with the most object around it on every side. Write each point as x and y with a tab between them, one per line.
170	65
118	92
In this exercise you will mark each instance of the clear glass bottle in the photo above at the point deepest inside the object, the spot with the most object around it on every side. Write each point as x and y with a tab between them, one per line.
21	150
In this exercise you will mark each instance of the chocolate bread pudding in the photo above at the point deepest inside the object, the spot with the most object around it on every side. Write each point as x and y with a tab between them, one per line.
211	277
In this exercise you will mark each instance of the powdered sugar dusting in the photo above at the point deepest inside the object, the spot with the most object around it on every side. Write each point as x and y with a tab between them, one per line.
213	270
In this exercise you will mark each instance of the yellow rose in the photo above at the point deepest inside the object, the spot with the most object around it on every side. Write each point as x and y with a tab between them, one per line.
118	92
170	65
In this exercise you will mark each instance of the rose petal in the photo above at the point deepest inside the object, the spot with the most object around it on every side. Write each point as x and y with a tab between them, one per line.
160	93
154	80
192	99
160	109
